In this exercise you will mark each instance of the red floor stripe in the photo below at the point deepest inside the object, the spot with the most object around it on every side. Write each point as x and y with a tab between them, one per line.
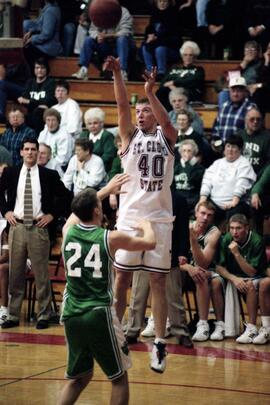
206	387
223	353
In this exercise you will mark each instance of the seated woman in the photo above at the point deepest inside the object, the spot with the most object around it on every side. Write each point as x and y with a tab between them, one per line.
228	180
102	139
162	37
179	100
188	173
42	36
188	75
185	131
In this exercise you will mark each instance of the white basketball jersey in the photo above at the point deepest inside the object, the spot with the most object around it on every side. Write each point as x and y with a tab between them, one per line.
149	160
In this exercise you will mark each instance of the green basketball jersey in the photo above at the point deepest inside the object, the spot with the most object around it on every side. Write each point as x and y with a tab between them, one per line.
88	270
253	250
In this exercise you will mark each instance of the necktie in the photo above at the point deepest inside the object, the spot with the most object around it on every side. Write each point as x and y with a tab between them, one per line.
28	203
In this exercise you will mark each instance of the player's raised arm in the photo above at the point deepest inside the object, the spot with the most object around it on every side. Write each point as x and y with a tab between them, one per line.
145	241
126	128
159	111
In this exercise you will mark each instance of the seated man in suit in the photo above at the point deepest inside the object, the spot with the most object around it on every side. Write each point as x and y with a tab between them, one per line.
28	196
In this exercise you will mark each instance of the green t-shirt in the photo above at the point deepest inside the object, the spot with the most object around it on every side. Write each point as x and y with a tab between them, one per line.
253	250
256	148
88	270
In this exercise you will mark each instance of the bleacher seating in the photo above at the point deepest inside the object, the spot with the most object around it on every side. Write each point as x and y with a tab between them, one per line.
100	92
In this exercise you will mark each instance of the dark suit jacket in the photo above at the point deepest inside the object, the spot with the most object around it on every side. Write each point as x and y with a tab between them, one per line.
55	198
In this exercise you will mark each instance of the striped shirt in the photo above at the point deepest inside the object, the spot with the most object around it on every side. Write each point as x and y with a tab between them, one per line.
231	119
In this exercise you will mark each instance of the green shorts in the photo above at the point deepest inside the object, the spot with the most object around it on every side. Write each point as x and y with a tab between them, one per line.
96	334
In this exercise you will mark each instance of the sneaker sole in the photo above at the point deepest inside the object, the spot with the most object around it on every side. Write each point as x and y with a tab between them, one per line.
157	371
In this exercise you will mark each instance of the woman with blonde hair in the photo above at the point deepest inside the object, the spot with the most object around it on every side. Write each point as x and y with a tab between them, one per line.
103	140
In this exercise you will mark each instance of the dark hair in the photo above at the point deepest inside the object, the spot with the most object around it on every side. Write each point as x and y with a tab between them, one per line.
64	84
42	62
29	139
235	140
85	144
84	203
17	107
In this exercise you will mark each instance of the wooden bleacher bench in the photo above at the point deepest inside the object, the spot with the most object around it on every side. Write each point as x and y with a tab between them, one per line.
101	90
65	66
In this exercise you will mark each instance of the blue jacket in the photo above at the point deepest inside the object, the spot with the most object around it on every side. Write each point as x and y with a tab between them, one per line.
46	30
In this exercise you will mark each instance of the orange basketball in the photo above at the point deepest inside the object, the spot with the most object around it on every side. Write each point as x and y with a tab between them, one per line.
105	13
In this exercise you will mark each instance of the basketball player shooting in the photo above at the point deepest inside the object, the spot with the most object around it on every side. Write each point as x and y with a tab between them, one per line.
147	156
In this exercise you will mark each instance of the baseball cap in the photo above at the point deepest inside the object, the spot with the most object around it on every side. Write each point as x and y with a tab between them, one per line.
238	81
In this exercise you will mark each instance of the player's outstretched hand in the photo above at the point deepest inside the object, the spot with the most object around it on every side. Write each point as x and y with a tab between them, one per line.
114	185
150	79
112	64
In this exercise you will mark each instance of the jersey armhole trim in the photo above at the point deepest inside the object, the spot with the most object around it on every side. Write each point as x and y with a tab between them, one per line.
122	154
171	150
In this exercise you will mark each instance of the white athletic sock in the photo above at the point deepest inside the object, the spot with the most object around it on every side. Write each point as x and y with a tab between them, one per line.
159	340
265	321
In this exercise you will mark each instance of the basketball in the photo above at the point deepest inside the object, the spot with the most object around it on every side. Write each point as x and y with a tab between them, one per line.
105	13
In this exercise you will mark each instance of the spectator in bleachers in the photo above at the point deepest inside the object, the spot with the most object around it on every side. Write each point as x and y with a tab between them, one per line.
188	173
187	17
102	139
261	93
57	138
45	159
12	80
5	156
228	181
260	199
15	133
256	140
250	68
204	239
185	131
70	12
218	26
257	21
69	109
179	101
231	117
162	37
188	75
117	41
81	33
38	94
41	36
201	34
243	263
85	169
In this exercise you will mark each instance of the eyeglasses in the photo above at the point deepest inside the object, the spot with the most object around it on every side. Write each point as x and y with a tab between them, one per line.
250	49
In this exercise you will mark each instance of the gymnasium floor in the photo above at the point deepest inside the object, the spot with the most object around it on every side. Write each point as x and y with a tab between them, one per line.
32	366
